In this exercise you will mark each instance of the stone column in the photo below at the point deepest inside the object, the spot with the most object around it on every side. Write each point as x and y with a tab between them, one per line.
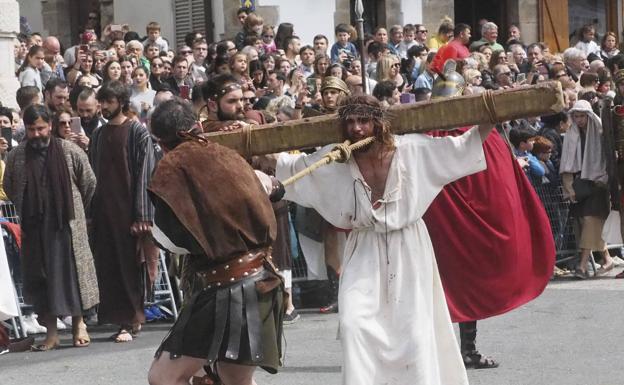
528	20
434	11
9	27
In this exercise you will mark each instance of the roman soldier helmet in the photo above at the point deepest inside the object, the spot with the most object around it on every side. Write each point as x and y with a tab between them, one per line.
449	83
335	83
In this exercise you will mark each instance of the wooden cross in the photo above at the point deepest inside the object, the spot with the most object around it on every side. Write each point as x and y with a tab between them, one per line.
441	114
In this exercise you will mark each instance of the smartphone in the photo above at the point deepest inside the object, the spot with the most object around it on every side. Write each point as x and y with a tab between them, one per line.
185	91
115	27
311	82
408	98
7	134
75	125
520	78
84	47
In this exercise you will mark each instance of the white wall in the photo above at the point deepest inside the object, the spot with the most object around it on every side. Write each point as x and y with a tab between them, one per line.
310	18
412	11
137	13
31	9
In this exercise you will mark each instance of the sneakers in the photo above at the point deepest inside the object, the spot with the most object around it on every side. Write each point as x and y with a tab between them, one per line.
618	262
67	320
60	325
3	350
32	326
291	318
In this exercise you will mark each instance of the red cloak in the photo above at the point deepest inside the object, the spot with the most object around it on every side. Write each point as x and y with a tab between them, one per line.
491	236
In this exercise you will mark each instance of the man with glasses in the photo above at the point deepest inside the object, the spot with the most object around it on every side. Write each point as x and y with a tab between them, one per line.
135	48
420	36
226	47
198	68
186	52
503	77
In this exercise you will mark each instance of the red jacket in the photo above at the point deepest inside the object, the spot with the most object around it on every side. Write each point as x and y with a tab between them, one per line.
453	50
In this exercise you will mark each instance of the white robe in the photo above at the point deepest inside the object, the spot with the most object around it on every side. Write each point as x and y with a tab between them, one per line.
395	327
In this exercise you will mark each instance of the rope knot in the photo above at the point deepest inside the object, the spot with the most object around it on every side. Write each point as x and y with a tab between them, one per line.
343	152
490	106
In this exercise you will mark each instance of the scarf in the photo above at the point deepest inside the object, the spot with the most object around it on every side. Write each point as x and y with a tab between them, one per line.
50	178
591	161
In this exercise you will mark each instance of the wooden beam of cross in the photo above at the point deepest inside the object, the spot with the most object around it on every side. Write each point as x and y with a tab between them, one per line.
441	114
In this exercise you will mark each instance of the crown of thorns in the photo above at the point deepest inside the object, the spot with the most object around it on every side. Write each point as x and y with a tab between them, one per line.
362	111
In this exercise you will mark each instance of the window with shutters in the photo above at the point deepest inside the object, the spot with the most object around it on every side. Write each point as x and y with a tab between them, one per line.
189	16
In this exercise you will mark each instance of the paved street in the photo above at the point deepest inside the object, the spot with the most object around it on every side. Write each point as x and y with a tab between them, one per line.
572	335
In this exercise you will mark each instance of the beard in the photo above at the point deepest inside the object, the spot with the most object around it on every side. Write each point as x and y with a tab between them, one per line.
39	143
108	115
238	115
89	123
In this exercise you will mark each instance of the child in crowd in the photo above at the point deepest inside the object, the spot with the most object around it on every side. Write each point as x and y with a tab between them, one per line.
268	42
153	36
342	44
409	36
240	68
522	140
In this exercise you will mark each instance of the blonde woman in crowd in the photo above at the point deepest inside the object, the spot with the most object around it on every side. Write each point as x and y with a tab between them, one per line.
473	82
388	68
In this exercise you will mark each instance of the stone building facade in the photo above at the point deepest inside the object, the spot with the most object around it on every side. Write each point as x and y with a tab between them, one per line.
550	20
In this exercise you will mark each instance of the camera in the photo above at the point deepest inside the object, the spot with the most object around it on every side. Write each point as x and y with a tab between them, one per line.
348	61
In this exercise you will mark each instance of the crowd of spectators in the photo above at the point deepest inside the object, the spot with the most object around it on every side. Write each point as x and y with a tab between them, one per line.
284	78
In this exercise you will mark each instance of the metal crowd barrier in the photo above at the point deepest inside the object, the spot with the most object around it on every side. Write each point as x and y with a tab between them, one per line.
163	293
16	324
565	229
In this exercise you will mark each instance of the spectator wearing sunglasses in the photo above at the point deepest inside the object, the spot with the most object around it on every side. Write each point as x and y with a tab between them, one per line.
268	39
503	77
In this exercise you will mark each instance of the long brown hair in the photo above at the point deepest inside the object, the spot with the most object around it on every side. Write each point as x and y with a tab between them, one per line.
367	107
35	49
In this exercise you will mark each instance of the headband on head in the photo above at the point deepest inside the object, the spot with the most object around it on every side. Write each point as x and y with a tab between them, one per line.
225	89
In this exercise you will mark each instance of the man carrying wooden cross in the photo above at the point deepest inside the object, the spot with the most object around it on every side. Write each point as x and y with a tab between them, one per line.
394	323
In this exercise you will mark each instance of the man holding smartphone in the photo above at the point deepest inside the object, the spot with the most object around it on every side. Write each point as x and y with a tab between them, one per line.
88	109
180	81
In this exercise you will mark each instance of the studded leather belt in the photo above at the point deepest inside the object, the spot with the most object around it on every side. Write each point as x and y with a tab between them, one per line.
241	267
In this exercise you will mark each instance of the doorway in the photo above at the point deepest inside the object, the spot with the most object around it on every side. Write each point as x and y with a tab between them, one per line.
374	14
471	11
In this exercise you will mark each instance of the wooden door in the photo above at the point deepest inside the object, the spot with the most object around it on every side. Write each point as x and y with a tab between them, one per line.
554	24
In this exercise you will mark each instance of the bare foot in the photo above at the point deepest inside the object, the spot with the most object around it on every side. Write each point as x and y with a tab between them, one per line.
123	336
50	343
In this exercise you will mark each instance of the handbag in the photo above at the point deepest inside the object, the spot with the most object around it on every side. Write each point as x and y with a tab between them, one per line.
583	188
